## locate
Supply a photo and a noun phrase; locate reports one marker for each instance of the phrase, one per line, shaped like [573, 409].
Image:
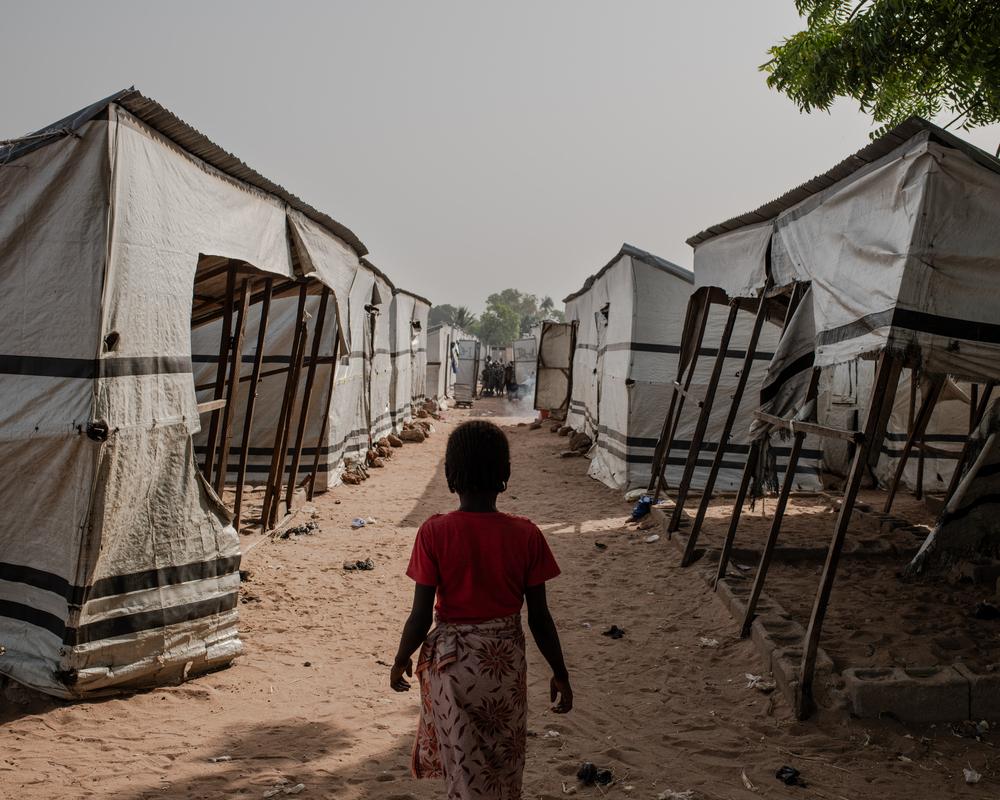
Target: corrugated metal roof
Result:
[872, 152]
[642, 255]
[185, 137]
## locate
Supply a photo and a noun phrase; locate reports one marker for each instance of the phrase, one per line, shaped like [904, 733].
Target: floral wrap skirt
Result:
[473, 709]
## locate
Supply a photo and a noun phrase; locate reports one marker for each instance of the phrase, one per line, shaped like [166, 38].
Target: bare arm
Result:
[414, 632]
[543, 629]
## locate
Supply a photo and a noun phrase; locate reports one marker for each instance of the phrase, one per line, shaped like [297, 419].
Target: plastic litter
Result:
[635, 494]
[655, 537]
[760, 683]
[641, 508]
[670, 794]
[749, 784]
[614, 632]
[551, 735]
[600, 545]
[220, 759]
[986, 610]
[971, 776]
[704, 641]
[285, 787]
[367, 564]
[306, 529]
[358, 522]
[591, 775]
[789, 776]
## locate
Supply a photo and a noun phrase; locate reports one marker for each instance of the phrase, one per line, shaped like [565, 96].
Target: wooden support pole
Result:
[317, 337]
[727, 427]
[703, 418]
[211, 405]
[276, 497]
[980, 411]
[225, 342]
[734, 518]
[973, 405]
[325, 427]
[916, 434]
[883, 393]
[233, 388]
[258, 360]
[694, 308]
[779, 513]
[658, 478]
[274, 475]
[826, 431]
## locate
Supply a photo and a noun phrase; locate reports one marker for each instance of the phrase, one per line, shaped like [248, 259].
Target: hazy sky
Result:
[472, 145]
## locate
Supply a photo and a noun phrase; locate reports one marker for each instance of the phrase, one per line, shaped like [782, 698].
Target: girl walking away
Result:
[481, 565]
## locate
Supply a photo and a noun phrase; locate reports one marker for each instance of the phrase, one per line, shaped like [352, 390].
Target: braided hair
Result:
[477, 458]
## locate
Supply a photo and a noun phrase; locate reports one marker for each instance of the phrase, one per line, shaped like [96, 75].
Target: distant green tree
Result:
[443, 314]
[463, 318]
[897, 58]
[498, 325]
[548, 310]
[523, 304]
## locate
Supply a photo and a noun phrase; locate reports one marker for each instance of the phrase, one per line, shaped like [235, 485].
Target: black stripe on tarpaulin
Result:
[960, 513]
[309, 451]
[119, 584]
[149, 620]
[33, 616]
[165, 576]
[673, 349]
[707, 446]
[930, 437]
[36, 578]
[897, 452]
[917, 321]
[802, 468]
[199, 358]
[798, 366]
[92, 368]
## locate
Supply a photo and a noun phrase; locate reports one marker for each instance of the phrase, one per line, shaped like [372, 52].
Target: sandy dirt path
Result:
[308, 704]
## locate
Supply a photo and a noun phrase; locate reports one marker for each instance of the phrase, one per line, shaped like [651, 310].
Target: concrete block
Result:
[771, 632]
[932, 694]
[733, 596]
[984, 693]
[869, 548]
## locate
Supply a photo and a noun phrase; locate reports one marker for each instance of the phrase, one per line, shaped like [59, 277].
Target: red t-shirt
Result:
[480, 563]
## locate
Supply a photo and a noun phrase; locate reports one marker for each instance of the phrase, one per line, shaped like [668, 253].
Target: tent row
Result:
[176, 327]
[847, 329]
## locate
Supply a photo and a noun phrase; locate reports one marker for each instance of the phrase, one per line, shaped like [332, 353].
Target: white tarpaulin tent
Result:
[630, 319]
[467, 373]
[126, 570]
[554, 379]
[442, 363]
[891, 267]
[408, 336]
[898, 246]
[525, 361]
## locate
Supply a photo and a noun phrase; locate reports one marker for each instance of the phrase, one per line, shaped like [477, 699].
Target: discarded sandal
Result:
[614, 632]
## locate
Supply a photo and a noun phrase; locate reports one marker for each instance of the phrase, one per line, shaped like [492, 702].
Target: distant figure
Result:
[510, 382]
[487, 377]
[482, 565]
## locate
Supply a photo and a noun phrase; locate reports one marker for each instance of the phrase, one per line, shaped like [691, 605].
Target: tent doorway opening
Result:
[255, 341]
